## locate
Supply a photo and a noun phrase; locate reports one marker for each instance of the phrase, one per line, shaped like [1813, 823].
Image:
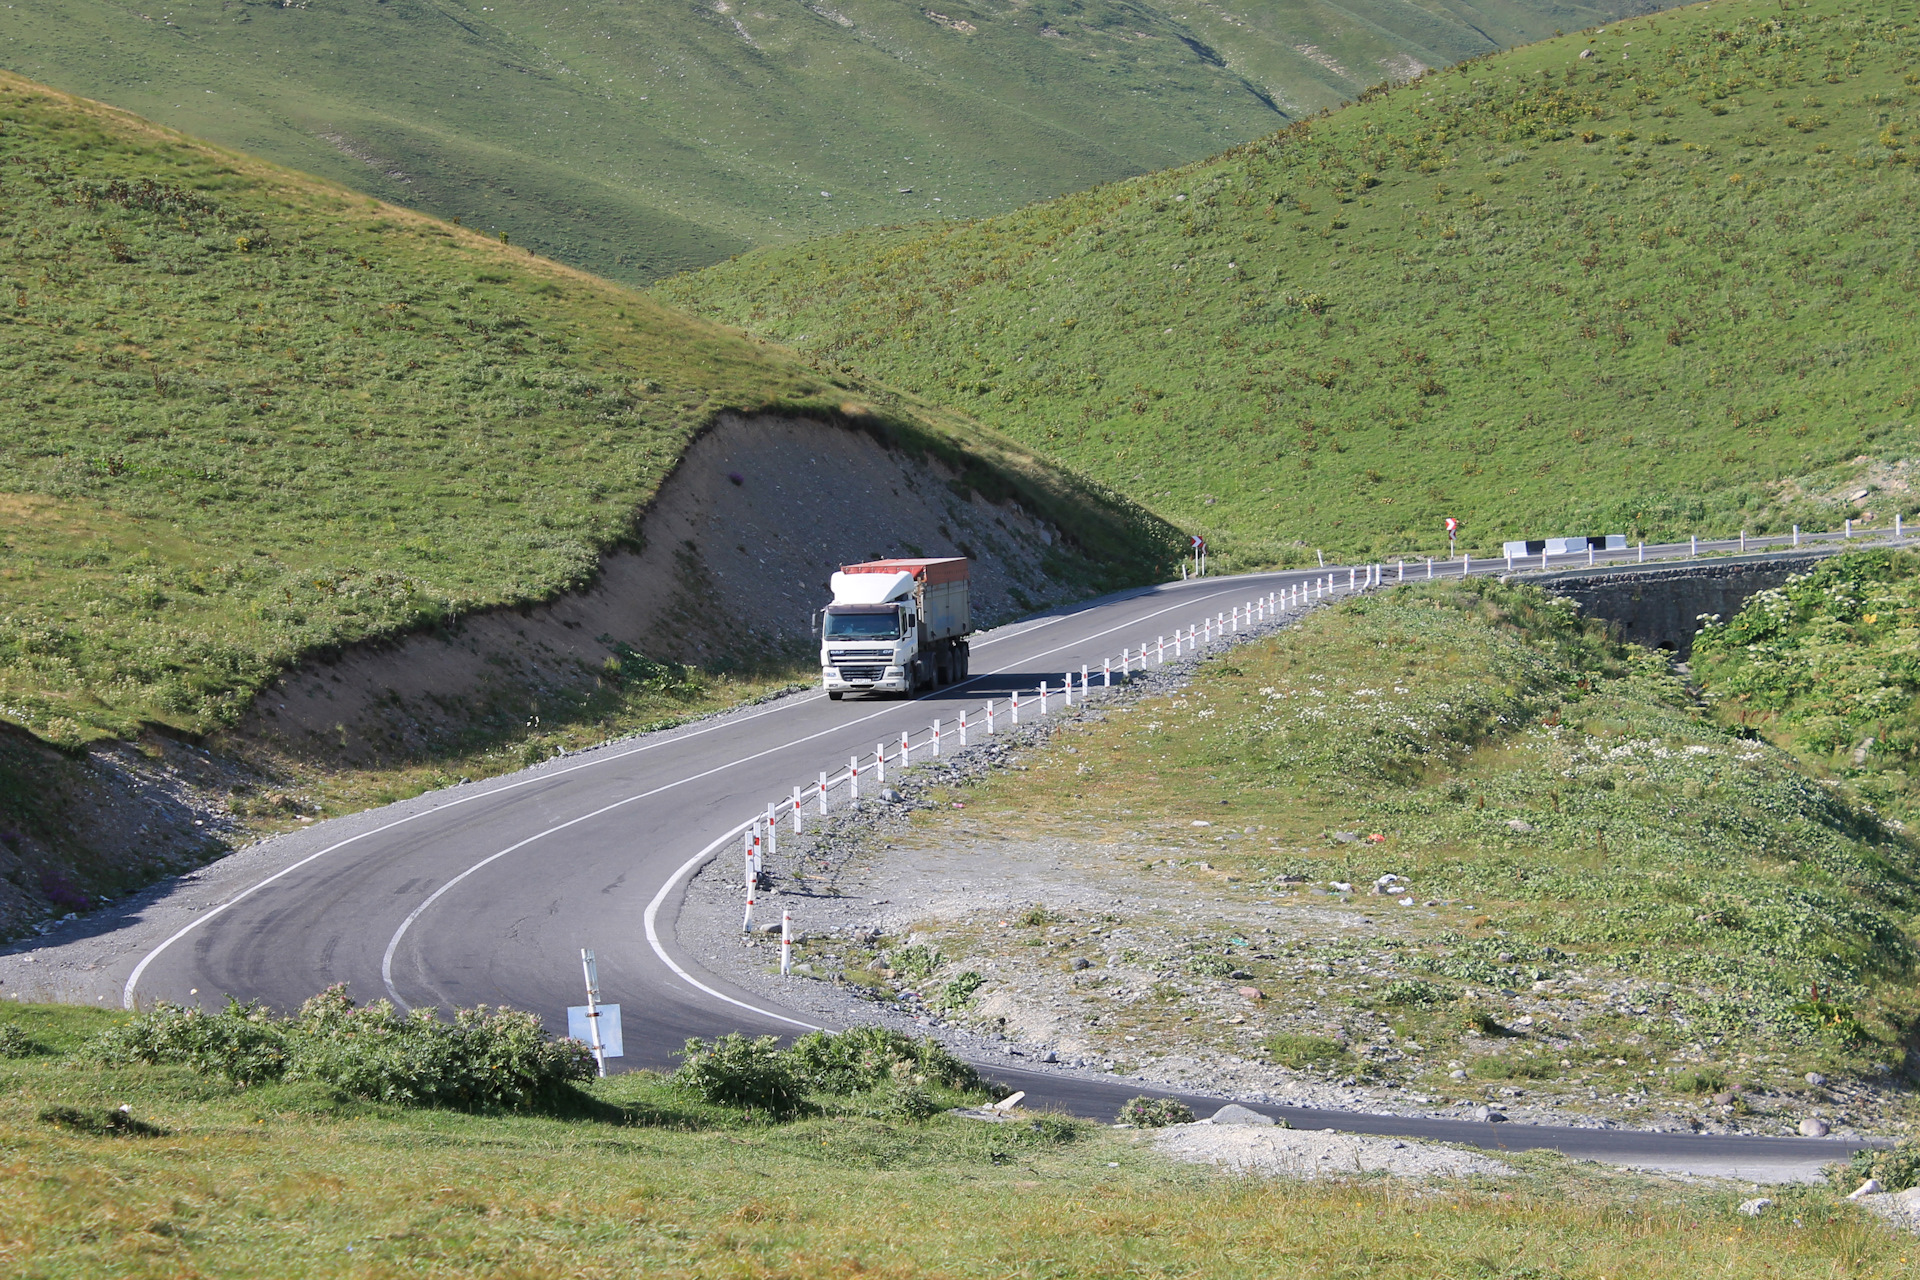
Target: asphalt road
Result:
[485, 893]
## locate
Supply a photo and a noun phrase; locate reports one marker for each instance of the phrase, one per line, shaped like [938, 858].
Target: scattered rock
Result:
[1201, 822]
[1586, 53]
[1081, 962]
[1251, 993]
[1234, 1113]
[1815, 1079]
[1871, 1187]
[1239, 974]
[1050, 1056]
[1346, 837]
[1516, 824]
[1341, 886]
[1813, 1127]
[890, 795]
[1754, 1208]
[1489, 1114]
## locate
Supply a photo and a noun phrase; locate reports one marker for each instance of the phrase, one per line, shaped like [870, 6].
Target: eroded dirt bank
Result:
[735, 555]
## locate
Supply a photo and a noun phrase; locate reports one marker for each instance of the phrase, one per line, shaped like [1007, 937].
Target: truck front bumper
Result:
[889, 680]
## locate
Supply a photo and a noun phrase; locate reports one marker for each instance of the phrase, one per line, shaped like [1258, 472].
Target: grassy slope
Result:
[635, 142]
[1695, 904]
[249, 415]
[1828, 667]
[293, 1181]
[1540, 293]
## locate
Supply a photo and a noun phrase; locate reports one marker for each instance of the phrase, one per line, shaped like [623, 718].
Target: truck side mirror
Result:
[813, 622]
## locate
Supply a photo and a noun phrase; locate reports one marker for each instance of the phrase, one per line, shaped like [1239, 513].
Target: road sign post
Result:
[592, 972]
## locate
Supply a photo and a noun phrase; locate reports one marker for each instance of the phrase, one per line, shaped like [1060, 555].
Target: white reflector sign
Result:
[609, 1028]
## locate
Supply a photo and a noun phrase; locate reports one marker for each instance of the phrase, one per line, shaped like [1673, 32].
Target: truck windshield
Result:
[863, 626]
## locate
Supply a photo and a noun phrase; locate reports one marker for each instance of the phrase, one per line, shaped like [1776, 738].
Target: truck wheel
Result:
[836, 696]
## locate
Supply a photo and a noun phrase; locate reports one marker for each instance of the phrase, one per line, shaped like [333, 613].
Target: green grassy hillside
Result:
[638, 141]
[1651, 280]
[249, 416]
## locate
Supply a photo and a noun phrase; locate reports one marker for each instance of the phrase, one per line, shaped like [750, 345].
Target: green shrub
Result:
[1035, 916]
[733, 1071]
[956, 993]
[908, 1102]
[1700, 1080]
[1058, 1129]
[916, 961]
[1207, 966]
[489, 1058]
[1897, 1167]
[1305, 1053]
[486, 1059]
[863, 1058]
[1412, 992]
[242, 1042]
[1155, 1113]
[15, 1043]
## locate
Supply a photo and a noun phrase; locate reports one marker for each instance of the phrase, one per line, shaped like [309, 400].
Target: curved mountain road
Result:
[486, 892]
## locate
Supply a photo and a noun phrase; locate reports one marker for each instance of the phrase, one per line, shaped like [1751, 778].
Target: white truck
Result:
[895, 626]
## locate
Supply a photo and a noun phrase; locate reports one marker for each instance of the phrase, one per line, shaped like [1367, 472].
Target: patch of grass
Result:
[1441, 300]
[270, 1181]
[1306, 1053]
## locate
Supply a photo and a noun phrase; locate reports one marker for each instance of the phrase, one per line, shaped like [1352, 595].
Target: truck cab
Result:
[895, 627]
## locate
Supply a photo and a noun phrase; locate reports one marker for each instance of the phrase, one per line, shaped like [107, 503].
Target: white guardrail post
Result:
[786, 943]
[880, 763]
[906, 749]
[853, 777]
[989, 717]
[746, 922]
[823, 791]
[1043, 697]
[796, 811]
[936, 739]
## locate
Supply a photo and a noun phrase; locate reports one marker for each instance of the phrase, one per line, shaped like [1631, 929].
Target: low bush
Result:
[242, 1042]
[916, 961]
[1702, 1080]
[485, 1059]
[1413, 993]
[1155, 1113]
[15, 1043]
[1897, 1167]
[1058, 1129]
[863, 1058]
[751, 1074]
[955, 993]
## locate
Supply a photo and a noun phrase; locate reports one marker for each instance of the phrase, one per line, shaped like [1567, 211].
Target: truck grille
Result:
[839, 656]
[861, 673]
